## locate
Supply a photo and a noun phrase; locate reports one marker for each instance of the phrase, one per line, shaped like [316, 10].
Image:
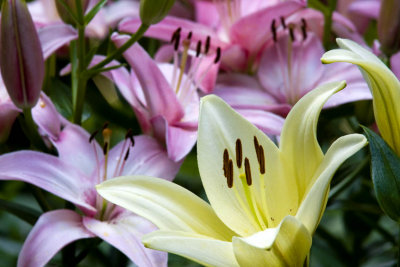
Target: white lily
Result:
[266, 201]
[384, 85]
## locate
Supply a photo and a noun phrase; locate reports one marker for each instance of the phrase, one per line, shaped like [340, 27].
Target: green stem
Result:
[117, 53]
[339, 188]
[398, 252]
[328, 23]
[80, 76]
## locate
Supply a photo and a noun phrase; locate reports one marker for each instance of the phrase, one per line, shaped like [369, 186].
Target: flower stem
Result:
[134, 38]
[80, 76]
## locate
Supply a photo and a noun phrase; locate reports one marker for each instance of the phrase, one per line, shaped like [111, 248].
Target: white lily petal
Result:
[299, 144]
[166, 204]
[219, 128]
[199, 248]
[286, 245]
[384, 85]
[312, 207]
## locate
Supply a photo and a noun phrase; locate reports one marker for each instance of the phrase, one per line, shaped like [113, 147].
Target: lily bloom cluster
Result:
[103, 104]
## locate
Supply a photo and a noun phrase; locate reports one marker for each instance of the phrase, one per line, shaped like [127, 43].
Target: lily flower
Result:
[72, 175]
[164, 96]
[265, 201]
[283, 79]
[237, 27]
[384, 85]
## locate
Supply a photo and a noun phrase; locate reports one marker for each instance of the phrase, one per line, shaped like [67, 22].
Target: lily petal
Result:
[199, 248]
[47, 117]
[53, 231]
[160, 97]
[50, 173]
[147, 157]
[286, 245]
[299, 143]
[317, 195]
[384, 85]
[74, 148]
[55, 36]
[125, 233]
[219, 128]
[166, 204]
[254, 25]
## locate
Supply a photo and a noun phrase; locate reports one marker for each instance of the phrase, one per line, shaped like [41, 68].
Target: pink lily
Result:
[239, 30]
[288, 70]
[8, 112]
[80, 165]
[164, 99]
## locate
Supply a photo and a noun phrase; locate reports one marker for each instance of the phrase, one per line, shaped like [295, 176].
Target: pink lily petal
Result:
[47, 117]
[179, 140]
[267, 122]
[207, 14]
[51, 174]
[252, 31]
[207, 74]
[53, 231]
[8, 114]
[288, 83]
[234, 58]
[146, 157]
[116, 11]
[74, 149]
[369, 8]
[164, 30]
[165, 53]
[52, 37]
[395, 64]
[125, 233]
[357, 89]
[160, 97]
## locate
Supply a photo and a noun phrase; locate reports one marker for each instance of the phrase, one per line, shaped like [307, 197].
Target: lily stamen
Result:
[239, 153]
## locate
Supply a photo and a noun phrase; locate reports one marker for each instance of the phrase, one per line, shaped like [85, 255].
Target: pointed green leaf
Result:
[385, 171]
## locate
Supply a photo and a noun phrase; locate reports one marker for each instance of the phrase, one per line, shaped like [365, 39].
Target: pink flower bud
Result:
[389, 26]
[21, 58]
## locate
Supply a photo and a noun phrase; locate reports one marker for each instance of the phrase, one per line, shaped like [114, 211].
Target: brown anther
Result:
[230, 174]
[189, 36]
[256, 144]
[198, 49]
[218, 55]
[239, 153]
[105, 148]
[105, 125]
[261, 160]
[225, 162]
[303, 23]
[207, 46]
[247, 171]
[93, 135]
[129, 134]
[126, 154]
[283, 22]
[173, 37]
[304, 29]
[273, 30]
[291, 33]
[177, 42]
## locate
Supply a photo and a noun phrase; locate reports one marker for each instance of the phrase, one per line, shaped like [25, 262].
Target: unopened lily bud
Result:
[63, 12]
[153, 11]
[389, 26]
[21, 57]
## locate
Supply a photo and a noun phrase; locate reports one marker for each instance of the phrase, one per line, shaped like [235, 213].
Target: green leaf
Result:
[25, 213]
[385, 171]
[90, 15]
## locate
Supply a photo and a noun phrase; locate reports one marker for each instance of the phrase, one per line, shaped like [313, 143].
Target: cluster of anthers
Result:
[228, 163]
[196, 62]
[107, 209]
[291, 27]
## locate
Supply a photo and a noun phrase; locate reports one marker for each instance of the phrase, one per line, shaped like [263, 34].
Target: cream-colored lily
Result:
[266, 201]
[384, 85]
